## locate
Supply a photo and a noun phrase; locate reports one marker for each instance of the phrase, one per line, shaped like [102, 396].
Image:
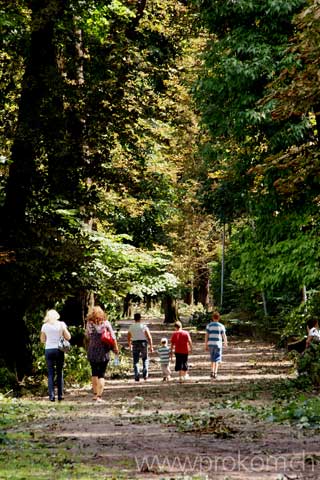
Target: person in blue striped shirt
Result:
[164, 355]
[215, 334]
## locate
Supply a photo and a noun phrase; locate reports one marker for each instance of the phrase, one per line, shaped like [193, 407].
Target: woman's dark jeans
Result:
[55, 361]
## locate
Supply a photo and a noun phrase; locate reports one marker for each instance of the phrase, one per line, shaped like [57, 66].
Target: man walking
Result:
[138, 339]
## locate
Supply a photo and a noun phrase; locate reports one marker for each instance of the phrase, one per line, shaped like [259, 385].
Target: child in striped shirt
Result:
[215, 334]
[164, 355]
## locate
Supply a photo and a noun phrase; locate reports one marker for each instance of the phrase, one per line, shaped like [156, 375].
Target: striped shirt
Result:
[215, 331]
[164, 354]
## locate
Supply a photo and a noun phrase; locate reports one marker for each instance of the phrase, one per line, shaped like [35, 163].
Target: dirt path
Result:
[155, 430]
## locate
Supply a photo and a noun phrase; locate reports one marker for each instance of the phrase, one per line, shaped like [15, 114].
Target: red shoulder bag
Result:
[107, 338]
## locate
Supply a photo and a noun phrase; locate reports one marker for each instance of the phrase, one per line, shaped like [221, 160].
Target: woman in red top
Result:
[181, 345]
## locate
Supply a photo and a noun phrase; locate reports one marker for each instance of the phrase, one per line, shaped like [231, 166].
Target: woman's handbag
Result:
[64, 345]
[107, 338]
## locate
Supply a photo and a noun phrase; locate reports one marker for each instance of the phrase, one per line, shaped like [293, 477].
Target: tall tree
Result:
[22, 180]
[247, 50]
[89, 143]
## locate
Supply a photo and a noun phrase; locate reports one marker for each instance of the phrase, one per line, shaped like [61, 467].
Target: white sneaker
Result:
[100, 400]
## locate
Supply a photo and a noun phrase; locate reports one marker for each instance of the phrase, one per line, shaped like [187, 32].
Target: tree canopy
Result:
[134, 133]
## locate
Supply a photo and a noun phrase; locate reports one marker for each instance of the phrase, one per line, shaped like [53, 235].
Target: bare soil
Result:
[159, 430]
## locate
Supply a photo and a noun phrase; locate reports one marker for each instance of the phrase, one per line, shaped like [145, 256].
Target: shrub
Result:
[77, 368]
[200, 319]
[8, 380]
[308, 363]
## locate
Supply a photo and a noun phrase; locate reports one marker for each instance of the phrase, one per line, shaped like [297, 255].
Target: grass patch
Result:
[29, 449]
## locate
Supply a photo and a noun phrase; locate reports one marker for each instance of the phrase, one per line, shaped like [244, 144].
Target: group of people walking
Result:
[140, 343]
[139, 339]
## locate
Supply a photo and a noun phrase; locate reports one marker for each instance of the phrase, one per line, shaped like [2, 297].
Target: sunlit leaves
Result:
[285, 255]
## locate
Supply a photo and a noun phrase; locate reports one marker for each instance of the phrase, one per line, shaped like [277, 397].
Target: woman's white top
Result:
[53, 333]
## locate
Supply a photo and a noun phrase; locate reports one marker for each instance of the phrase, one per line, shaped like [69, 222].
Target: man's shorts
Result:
[181, 362]
[215, 353]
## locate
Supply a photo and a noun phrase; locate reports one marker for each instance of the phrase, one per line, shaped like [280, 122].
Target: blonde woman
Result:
[98, 352]
[51, 331]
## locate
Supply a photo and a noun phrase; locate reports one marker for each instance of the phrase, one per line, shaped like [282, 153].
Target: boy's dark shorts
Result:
[181, 362]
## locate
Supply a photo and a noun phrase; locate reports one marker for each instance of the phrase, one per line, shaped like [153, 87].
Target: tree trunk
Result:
[264, 301]
[15, 345]
[222, 264]
[75, 309]
[127, 307]
[304, 294]
[204, 282]
[148, 302]
[27, 143]
[170, 309]
[22, 182]
[196, 296]
[189, 295]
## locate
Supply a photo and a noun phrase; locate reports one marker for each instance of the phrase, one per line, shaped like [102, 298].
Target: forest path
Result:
[244, 360]
[194, 430]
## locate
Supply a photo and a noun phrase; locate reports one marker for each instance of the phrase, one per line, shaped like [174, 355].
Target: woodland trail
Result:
[195, 430]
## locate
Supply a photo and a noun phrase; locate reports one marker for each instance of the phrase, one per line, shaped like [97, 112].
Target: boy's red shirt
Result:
[180, 341]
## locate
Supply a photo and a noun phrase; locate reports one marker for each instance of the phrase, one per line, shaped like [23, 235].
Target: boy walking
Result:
[215, 334]
[164, 355]
[181, 345]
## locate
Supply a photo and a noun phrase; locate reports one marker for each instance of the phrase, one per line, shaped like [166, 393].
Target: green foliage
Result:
[292, 388]
[308, 363]
[303, 412]
[276, 258]
[98, 149]
[8, 380]
[296, 320]
[247, 173]
[237, 295]
[283, 254]
[247, 50]
[119, 268]
[200, 319]
[123, 369]
[77, 368]
[154, 286]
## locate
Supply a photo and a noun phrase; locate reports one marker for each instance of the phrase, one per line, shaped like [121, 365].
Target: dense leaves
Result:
[88, 152]
[258, 98]
[108, 183]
